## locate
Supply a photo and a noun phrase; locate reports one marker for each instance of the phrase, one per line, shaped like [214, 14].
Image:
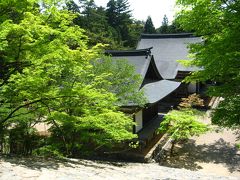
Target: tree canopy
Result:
[49, 77]
[217, 22]
[149, 27]
[112, 25]
[168, 28]
[164, 28]
[121, 75]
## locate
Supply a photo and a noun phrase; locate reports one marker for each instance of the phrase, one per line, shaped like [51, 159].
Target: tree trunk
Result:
[172, 147]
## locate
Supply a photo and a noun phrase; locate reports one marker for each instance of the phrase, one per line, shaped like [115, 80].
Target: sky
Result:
[141, 9]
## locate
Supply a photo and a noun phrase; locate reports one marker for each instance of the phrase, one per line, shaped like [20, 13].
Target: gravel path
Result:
[18, 169]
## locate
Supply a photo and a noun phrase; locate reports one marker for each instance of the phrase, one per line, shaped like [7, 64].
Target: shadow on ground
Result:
[36, 163]
[189, 154]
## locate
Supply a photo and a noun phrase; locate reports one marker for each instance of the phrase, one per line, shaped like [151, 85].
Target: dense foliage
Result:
[48, 76]
[218, 24]
[112, 25]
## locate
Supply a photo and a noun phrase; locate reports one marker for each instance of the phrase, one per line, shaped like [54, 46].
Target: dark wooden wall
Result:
[150, 113]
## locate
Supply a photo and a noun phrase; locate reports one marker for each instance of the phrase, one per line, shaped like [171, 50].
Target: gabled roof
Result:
[154, 87]
[141, 59]
[167, 49]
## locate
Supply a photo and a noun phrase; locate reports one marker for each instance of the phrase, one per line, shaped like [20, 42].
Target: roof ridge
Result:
[159, 36]
[135, 52]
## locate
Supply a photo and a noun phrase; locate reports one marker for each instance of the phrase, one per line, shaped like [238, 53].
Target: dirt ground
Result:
[214, 152]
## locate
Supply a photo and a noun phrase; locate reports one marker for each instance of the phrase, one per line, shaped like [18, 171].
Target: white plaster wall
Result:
[139, 120]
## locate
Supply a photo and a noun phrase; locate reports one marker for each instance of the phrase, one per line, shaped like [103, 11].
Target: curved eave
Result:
[155, 68]
[156, 91]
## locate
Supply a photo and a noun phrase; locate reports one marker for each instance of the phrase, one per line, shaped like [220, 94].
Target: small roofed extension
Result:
[153, 85]
[167, 50]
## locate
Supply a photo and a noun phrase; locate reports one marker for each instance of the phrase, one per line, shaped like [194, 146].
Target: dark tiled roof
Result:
[154, 91]
[160, 89]
[167, 49]
[140, 58]
[140, 63]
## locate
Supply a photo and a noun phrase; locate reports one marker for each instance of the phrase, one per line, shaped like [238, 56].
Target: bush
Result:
[182, 124]
[238, 145]
[48, 151]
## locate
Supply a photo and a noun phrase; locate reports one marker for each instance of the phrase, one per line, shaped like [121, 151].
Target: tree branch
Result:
[30, 103]
[57, 126]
